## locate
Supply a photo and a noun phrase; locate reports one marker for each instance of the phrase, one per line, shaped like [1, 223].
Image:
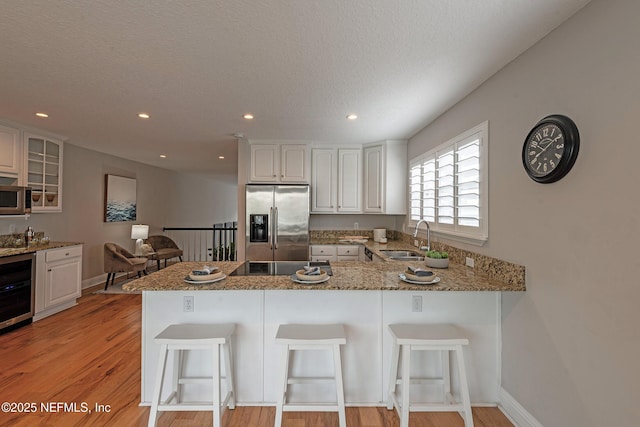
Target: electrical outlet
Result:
[187, 304]
[416, 303]
[356, 225]
[469, 262]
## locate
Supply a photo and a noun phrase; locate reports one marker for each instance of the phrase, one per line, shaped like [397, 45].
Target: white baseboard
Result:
[515, 411]
[93, 281]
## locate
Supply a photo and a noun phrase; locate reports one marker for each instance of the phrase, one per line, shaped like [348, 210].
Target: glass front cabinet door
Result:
[44, 172]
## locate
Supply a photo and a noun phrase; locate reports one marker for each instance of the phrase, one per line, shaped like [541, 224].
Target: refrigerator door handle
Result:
[275, 228]
[271, 234]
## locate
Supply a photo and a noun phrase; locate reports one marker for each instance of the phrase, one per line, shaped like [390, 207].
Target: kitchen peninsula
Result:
[365, 297]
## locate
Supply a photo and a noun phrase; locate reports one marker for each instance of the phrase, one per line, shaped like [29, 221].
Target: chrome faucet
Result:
[415, 234]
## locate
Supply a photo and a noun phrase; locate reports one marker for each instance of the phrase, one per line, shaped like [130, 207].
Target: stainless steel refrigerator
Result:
[277, 222]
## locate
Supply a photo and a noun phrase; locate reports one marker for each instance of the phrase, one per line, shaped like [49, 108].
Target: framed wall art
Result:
[119, 199]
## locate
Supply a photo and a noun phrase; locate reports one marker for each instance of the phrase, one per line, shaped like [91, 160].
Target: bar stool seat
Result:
[311, 337]
[427, 337]
[183, 337]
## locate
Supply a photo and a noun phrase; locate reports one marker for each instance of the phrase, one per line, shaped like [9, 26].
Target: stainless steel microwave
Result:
[15, 200]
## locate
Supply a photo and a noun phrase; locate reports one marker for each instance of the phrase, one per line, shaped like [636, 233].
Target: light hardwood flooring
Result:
[90, 355]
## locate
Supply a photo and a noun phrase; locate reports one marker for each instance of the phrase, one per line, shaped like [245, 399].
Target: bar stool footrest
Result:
[314, 407]
[310, 380]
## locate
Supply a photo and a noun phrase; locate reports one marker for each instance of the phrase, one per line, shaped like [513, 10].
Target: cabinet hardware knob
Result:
[49, 270]
[274, 176]
[67, 254]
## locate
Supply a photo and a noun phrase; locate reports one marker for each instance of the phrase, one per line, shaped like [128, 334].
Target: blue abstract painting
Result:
[120, 200]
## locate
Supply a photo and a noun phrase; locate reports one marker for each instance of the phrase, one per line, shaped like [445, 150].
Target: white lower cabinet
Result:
[348, 253]
[323, 253]
[335, 253]
[58, 279]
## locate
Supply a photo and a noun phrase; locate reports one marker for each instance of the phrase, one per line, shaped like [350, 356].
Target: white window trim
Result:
[480, 238]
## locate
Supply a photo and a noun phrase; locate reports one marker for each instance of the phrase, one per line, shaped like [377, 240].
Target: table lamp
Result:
[139, 232]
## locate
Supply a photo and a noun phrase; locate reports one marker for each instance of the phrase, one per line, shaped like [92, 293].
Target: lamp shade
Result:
[139, 231]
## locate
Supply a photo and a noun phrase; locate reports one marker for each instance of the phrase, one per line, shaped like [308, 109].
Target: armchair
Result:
[164, 249]
[118, 260]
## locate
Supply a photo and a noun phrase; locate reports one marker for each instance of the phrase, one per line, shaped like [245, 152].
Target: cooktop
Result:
[277, 268]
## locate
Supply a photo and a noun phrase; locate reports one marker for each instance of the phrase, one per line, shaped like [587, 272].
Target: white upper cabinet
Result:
[349, 180]
[10, 151]
[44, 172]
[294, 165]
[336, 180]
[324, 178]
[276, 162]
[385, 177]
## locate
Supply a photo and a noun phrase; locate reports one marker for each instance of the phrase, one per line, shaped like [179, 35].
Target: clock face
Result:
[551, 149]
[544, 149]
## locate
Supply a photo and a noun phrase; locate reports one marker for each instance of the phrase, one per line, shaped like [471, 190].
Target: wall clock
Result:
[551, 149]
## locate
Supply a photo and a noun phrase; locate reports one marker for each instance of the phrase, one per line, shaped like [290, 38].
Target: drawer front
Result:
[323, 250]
[348, 250]
[63, 253]
[322, 258]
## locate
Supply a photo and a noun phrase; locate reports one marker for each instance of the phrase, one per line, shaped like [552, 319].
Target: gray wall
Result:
[571, 342]
[164, 198]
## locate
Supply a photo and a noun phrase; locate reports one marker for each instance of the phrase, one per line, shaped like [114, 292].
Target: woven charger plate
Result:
[415, 278]
[212, 276]
[311, 278]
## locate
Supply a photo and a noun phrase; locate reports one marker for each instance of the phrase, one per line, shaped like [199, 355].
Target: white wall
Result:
[571, 342]
[164, 198]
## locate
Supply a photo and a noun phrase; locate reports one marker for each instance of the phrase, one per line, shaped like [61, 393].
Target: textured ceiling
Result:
[300, 66]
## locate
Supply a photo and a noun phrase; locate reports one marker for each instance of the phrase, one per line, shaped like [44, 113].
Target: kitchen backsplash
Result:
[503, 271]
[17, 240]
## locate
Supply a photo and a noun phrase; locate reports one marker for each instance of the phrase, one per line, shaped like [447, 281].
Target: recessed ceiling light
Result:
[43, 115]
[221, 157]
[352, 116]
[143, 115]
[248, 116]
[164, 156]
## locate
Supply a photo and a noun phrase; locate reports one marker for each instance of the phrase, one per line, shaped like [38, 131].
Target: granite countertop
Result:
[35, 248]
[346, 276]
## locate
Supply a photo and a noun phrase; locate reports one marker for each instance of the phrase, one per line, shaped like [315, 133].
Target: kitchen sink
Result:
[407, 258]
[403, 255]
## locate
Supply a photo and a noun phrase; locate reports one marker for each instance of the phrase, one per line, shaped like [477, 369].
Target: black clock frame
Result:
[571, 148]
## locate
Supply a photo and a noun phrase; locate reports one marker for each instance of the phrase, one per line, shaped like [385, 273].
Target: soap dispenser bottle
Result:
[28, 235]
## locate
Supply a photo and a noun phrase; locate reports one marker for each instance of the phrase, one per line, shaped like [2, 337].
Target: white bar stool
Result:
[425, 337]
[312, 337]
[182, 337]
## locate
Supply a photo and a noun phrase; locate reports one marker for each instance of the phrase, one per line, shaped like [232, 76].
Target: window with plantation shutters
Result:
[448, 187]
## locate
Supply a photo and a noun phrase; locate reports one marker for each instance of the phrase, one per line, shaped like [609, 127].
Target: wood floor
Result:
[89, 356]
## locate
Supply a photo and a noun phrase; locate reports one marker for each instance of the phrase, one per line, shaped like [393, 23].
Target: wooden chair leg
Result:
[106, 284]
[180, 258]
[158, 264]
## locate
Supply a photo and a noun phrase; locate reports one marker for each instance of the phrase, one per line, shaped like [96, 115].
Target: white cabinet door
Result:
[64, 281]
[10, 151]
[349, 180]
[58, 279]
[373, 179]
[293, 163]
[385, 177]
[324, 177]
[264, 163]
[279, 163]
